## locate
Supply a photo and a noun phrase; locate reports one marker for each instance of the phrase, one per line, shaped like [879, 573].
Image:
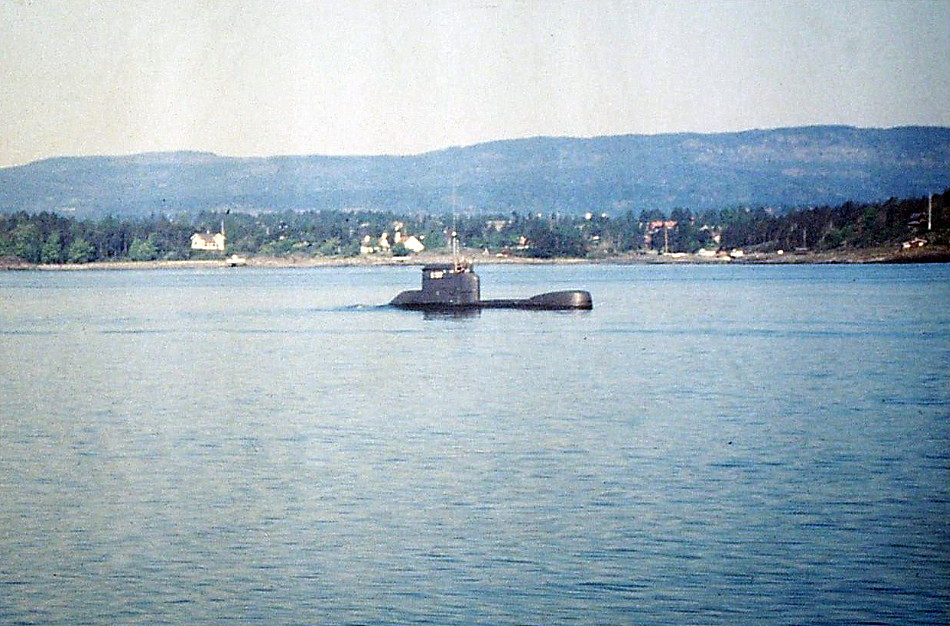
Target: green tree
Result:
[6, 245]
[143, 249]
[26, 242]
[80, 251]
[329, 247]
[280, 247]
[52, 251]
[559, 240]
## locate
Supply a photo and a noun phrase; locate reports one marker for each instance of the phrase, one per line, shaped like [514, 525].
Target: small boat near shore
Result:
[235, 261]
[455, 286]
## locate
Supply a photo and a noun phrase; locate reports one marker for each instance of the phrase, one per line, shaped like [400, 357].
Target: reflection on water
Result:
[451, 314]
[708, 445]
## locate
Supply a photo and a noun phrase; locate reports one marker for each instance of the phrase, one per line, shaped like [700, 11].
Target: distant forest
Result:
[785, 168]
[53, 238]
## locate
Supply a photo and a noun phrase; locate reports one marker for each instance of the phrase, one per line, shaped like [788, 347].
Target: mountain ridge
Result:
[783, 168]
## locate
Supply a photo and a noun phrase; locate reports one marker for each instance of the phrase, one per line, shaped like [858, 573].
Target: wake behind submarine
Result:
[455, 286]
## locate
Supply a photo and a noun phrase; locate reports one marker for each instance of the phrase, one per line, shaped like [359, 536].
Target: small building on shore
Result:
[412, 243]
[383, 244]
[208, 242]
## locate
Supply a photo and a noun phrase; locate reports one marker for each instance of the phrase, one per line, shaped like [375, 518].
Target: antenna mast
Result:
[930, 209]
[456, 261]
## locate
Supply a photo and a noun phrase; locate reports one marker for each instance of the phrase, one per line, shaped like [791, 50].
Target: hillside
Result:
[793, 167]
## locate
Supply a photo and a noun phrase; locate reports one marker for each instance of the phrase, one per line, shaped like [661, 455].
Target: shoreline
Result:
[929, 254]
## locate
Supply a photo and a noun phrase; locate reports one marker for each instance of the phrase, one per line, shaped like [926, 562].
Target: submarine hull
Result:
[571, 300]
[552, 301]
[455, 287]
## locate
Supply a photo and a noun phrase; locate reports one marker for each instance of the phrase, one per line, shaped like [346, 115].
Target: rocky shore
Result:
[927, 254]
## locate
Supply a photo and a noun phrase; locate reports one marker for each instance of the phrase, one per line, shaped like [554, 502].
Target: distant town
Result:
[731, 234]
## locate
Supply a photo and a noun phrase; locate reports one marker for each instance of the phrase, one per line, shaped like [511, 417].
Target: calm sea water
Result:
[709, 445]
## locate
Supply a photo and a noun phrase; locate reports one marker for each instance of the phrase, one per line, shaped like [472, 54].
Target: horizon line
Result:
[145, 153]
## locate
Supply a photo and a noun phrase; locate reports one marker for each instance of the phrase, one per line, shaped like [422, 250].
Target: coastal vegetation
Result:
[51, 238]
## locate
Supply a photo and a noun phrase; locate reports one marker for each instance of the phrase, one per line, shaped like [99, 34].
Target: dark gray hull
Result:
[455, 287]
[551, 301]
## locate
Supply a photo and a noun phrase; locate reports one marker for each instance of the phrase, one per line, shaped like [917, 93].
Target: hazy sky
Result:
[397, 77]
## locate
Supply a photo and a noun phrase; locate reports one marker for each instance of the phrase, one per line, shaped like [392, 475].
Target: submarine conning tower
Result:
[444, 285]
[451, 283]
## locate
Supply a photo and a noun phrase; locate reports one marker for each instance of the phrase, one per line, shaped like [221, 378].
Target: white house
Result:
[412, 244]
[366, 245]
[207, 241]
[369, 245]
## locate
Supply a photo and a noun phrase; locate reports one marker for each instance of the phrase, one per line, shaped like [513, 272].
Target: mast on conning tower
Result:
[455, 247]
[458, 264]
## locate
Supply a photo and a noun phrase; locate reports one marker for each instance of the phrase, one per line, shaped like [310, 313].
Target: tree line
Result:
[53, 238]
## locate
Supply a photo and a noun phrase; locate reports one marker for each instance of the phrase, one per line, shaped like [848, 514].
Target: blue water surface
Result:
[709, 445]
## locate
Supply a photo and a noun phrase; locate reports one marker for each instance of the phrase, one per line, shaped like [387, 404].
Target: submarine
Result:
[456, 287]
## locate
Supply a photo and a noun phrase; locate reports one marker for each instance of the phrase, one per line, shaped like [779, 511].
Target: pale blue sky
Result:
[364, 77]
